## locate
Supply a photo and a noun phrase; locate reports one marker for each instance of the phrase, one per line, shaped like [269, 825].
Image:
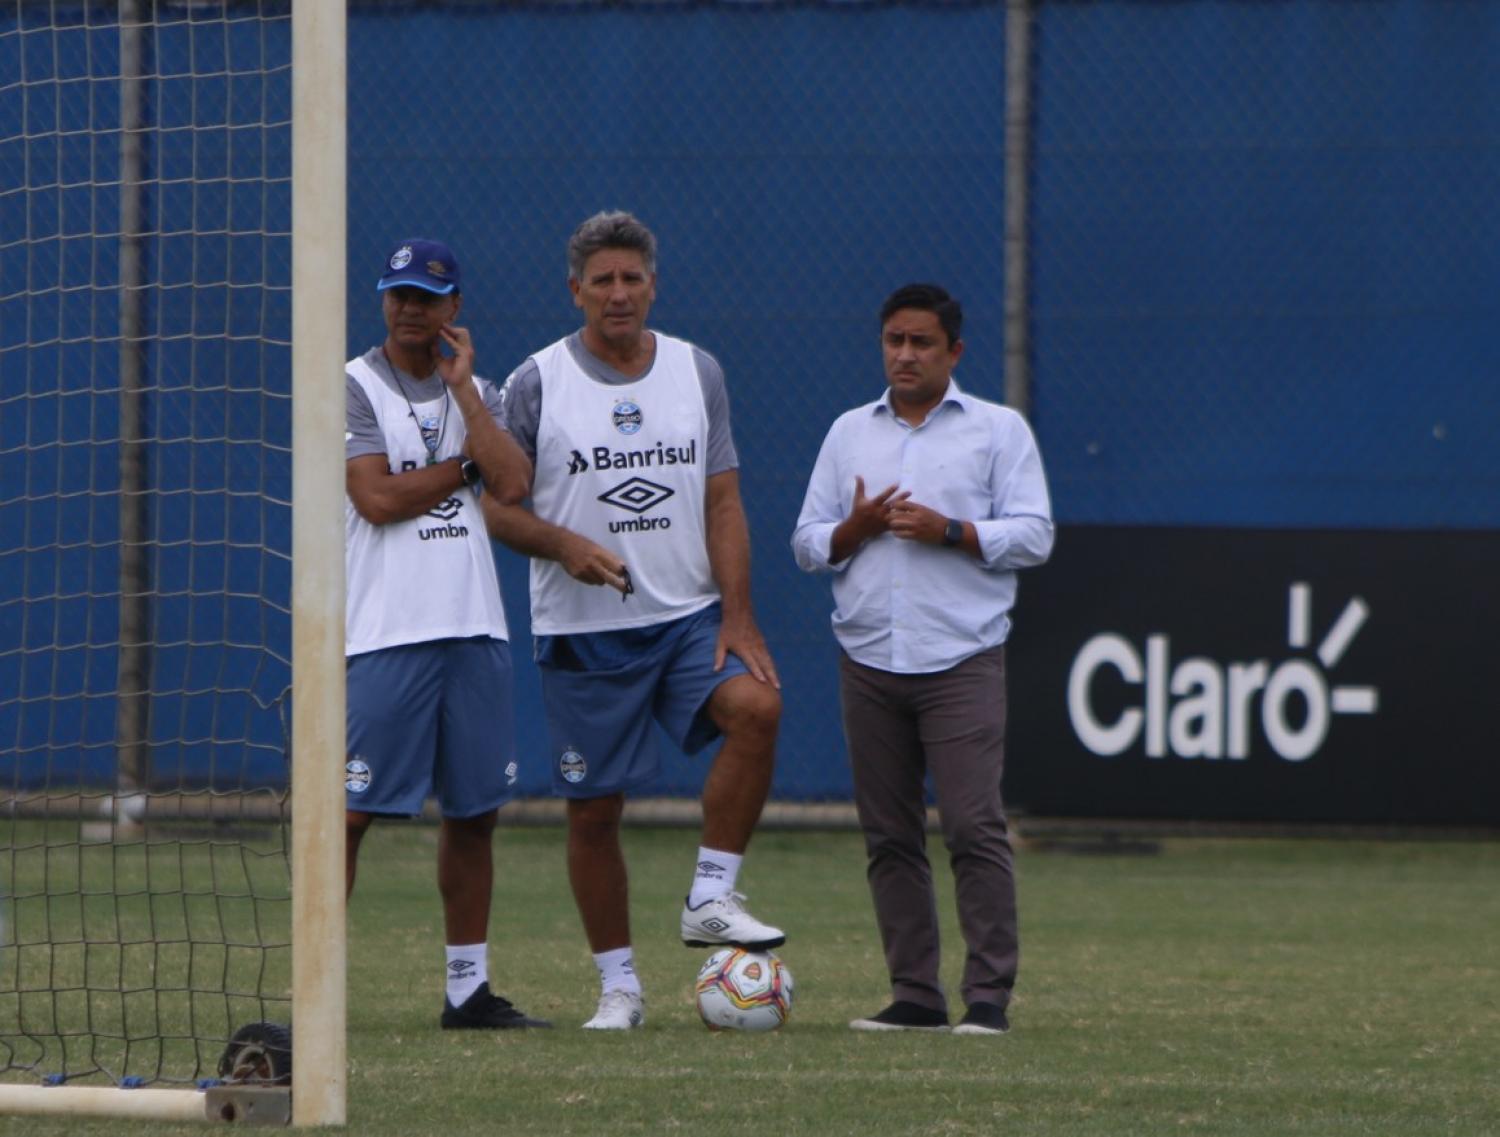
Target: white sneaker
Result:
[723, 920]
[618, 1010]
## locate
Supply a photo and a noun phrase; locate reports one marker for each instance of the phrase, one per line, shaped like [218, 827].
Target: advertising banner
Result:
[1258, 675]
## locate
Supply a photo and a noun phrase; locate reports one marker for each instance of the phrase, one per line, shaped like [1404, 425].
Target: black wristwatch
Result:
[468, 469]
[953, 532]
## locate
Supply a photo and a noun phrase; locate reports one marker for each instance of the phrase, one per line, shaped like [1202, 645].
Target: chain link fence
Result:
[1266, 263]
[1264, 266]
[797, 162]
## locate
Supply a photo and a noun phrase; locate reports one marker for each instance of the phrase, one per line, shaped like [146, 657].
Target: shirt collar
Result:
[953, 395]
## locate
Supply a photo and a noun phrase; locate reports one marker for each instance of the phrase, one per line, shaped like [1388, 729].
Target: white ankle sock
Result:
[617, 971]
[715, 875]
[466, 971]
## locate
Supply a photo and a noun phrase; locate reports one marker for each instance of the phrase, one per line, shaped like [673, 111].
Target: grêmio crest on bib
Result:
[627, 417]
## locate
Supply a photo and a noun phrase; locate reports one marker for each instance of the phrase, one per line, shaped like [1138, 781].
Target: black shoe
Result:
[983, 1018]
[483, 1011]
[902, 1015]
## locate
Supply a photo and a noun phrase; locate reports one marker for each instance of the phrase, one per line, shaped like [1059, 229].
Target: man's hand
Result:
[868, 517]
[742, 637]
[457, 370]
[911, 521]
[589, 563]
[871, 516]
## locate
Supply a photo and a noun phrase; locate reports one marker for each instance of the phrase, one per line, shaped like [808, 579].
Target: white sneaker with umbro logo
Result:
[723, 920]
[618, 1010]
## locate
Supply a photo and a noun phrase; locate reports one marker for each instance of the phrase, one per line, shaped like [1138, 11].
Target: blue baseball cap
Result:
[421, 263]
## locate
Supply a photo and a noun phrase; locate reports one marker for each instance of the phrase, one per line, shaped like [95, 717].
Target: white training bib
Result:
[431, 577]
[623, 465]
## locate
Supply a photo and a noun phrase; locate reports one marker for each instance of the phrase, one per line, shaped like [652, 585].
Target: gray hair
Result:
[609, 230]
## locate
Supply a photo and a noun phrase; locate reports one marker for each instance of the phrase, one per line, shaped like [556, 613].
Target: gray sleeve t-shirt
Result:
[362, 432]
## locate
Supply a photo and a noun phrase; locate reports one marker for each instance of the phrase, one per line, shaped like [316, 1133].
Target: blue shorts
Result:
[601, 691]
[431, 719]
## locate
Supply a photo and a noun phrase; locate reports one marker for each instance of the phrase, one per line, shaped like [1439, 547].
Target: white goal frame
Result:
[319, 163]
[319, 1068]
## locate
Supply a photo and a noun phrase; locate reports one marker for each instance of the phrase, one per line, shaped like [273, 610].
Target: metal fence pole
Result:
[131, 713]
[1018, 24]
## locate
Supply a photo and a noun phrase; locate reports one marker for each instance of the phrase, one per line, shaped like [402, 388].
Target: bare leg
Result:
[596, 869]
[356, 825]
[749, 713]
[466, 876]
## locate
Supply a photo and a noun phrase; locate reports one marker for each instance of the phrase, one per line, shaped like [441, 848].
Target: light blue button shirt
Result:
[913, 608]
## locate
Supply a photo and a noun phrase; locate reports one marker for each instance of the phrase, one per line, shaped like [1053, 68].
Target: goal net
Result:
[145, 536]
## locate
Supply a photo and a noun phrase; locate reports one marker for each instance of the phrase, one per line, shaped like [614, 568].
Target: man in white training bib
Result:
[640, 596]
[429, 672]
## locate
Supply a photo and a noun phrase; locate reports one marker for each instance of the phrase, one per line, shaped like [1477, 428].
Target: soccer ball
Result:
[744, 990]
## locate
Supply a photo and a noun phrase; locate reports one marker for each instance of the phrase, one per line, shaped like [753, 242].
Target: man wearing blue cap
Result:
[429, 670]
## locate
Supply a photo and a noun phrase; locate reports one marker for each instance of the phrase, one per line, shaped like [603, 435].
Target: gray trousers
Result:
[950, 724]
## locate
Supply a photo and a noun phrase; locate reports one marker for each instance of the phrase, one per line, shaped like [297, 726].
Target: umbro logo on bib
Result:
[636, 494]
[445, 510]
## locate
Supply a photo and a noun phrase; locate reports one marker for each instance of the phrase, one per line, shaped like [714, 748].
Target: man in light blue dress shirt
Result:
[922, 504]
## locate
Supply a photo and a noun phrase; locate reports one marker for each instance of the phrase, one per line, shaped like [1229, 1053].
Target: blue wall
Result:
[1267, 263]
[797, 164]
[1265, 258]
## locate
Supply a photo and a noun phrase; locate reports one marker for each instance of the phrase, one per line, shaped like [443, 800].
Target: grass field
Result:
[1220, 987]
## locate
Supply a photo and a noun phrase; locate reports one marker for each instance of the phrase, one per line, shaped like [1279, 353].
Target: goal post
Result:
[172, 335]
[318, 356]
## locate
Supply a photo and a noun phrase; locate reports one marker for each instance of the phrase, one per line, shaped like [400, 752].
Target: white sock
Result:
[715, 875]
[466, 971]
[617, 971]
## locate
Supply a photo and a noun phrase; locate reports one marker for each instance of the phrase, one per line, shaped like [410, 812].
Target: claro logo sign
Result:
[1201, 708]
